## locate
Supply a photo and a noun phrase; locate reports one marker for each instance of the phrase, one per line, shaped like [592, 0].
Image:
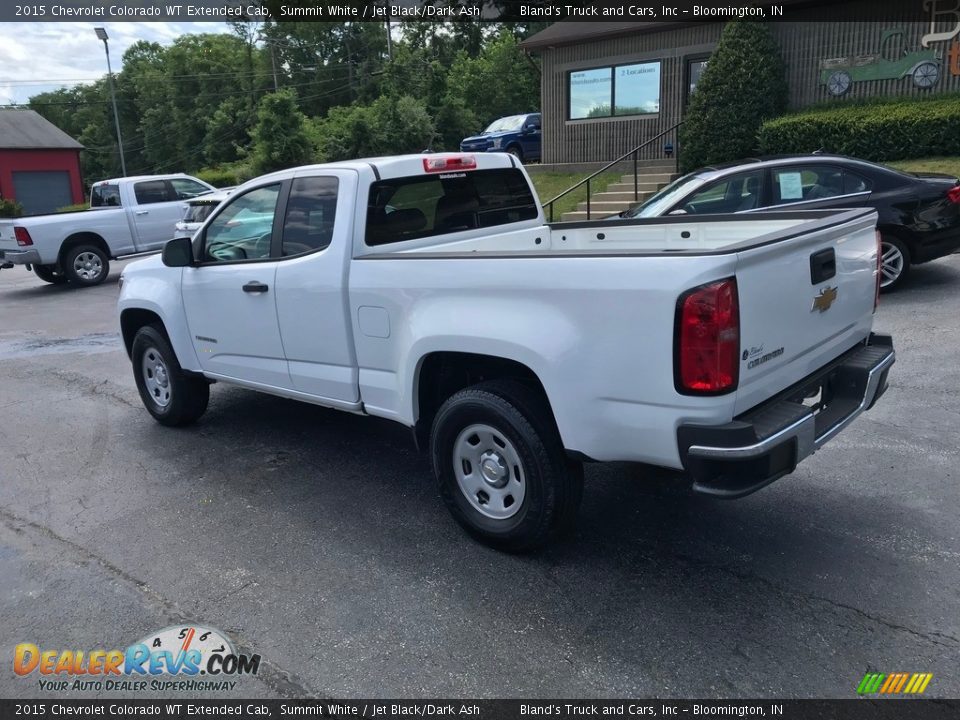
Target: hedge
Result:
[220, 177]
[879, 131]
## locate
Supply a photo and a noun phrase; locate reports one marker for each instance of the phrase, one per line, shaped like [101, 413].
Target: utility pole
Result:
[389, 41]
[273, 64]
[102, 34]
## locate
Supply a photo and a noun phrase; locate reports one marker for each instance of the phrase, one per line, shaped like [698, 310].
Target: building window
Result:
[615, 91]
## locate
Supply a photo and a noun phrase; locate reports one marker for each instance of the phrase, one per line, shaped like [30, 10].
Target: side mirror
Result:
[178, 252]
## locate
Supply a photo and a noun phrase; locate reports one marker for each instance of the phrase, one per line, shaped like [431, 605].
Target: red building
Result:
[39, 163]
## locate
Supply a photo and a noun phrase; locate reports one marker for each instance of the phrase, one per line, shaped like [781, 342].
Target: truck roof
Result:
[393, 166]
[138, 178]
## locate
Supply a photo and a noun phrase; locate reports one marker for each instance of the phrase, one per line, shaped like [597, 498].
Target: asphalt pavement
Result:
[316, 539]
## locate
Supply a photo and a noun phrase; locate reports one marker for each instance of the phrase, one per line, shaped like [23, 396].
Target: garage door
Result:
[42, 192]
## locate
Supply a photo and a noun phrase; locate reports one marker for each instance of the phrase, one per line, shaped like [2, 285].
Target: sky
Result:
[38, 57]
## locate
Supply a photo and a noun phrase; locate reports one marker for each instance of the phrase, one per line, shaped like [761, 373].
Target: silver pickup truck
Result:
[126, 216]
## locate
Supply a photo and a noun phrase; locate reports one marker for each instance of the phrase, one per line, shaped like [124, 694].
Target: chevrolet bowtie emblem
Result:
[824, 300]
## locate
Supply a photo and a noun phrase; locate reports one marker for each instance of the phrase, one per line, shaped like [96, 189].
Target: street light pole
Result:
[102, 34]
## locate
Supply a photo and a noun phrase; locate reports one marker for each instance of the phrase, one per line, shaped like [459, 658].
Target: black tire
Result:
[516, 152]
[889, 246]
[188, 395]
[86, 265]
[50, 274]
[552, 484]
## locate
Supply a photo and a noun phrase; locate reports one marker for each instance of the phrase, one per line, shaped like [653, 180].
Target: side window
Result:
[734, 194]
[185, 189]
[149, 192]
[244, 228]
[854, 183]
[802, 183]
[534, 120]
[311, 212]
[427, 205]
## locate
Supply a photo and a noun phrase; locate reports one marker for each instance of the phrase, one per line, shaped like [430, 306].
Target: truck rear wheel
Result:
[501, 467]
[86, 265]
[172, 396]
[49, 273]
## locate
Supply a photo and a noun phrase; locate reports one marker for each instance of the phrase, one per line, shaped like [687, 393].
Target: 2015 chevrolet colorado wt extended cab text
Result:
[428, 290]
[126, 216]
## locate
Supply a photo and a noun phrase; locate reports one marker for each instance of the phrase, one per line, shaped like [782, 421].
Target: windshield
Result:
[505, 124]
[663, 199]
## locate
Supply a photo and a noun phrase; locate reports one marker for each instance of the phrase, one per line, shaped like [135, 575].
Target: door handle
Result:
[255, 287]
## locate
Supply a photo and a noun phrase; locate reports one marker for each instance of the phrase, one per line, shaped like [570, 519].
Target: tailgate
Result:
[804, 300]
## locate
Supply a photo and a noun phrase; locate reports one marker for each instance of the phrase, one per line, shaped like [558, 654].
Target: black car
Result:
[919, 212]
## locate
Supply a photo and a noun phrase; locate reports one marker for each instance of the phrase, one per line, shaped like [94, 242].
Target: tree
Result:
[279, 138]
[743, 84]
[388, 126]
[497, 82]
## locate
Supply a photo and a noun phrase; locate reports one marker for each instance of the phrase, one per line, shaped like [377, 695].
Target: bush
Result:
[10, 208]
[388, 126]
[879, 130]
[743, 84]
[219, 177]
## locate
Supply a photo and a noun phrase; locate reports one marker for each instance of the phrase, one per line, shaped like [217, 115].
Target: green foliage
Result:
[388, 126]
[10, 208]
[219, 176]
[743, 84]
[73, 208]
[890, 130]
[497, 82]
[194, 103]
[280, 138]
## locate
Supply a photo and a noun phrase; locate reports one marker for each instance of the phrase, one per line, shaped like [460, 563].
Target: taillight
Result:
[954, 194]
[23, 237]
[876, 291]
[448, 163]
[707, 356]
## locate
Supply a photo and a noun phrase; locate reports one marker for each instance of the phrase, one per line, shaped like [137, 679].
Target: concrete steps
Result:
[618, 196]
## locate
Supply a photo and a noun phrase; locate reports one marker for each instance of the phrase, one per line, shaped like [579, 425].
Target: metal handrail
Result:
[586, 180]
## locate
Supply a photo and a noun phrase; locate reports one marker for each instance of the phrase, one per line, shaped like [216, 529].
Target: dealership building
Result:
[607, 87]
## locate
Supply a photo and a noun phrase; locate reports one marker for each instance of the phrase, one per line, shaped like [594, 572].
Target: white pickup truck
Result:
[427, 289]
[127, 216]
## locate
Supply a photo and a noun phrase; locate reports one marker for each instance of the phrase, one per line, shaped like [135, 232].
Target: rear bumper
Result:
[20, 257]
[766, 443]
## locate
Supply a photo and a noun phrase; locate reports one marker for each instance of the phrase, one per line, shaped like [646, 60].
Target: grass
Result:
[948, 165]
[549, 185]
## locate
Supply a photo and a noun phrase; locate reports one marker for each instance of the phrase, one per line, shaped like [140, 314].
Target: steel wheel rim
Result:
[156, 378]
[489, 471]
[891, 264]
[88, 265]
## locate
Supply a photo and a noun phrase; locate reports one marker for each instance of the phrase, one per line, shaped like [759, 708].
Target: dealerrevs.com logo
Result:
[181, 658]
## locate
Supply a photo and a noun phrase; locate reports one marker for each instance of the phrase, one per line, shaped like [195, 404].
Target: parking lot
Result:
[316, 538]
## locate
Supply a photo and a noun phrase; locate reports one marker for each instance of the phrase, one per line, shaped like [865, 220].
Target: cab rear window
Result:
[105, 196]
[424, 206]
[198, 212]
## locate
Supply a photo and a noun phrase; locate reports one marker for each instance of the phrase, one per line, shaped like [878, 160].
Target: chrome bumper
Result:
[20, 257]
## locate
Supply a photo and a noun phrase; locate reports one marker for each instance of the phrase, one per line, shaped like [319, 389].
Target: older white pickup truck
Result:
[127, 216]
[428, 290]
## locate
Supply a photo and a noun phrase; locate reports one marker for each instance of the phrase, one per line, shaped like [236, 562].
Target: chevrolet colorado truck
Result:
[428, 290]
[126, 216]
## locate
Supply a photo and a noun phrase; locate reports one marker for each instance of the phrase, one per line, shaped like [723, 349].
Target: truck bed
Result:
[684, 234]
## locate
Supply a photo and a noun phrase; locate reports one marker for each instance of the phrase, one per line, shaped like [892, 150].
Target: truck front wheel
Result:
[86, 265]
[172, 396]
[501, 467]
